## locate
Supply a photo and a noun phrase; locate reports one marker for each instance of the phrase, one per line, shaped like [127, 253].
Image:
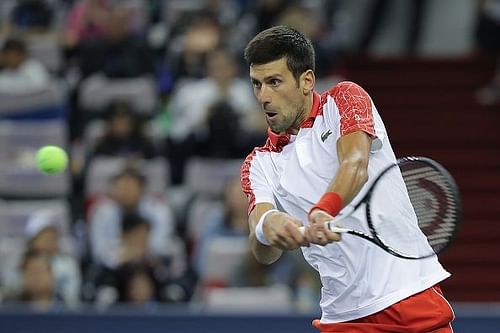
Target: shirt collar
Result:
[279, 141]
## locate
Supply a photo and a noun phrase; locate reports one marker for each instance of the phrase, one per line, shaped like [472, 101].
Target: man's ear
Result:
[307, 80]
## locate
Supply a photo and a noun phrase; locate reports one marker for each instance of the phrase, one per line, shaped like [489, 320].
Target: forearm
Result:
[263, 253]
[353, 152]
[350, 178]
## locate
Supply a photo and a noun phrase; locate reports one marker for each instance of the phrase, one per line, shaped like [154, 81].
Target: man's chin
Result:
[274, 128]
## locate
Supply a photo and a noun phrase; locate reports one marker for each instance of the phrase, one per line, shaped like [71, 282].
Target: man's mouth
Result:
[271, 115]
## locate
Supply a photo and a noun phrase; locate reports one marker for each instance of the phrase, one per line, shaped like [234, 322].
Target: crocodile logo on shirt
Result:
[326, 134]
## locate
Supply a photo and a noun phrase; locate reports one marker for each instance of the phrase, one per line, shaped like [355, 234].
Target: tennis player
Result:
[321, 152]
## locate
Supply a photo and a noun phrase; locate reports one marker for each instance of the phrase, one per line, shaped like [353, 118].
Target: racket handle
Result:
[331, 226]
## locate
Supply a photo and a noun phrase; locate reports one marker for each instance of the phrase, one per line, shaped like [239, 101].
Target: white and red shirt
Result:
[292, 172]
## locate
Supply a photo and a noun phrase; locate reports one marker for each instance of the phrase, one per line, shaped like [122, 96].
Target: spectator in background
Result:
[231, 222]
[201, 37]
[134, 239]
[267, 12]
[221, 83]
[224, 136]
[124, 135]
[38, 283]
[226, 12]
[292, 272]
[142, 276]
[32, 16]
[192, 120]
[488, 42]
[119, 53]
[19, 73]
[44, 236]
[315, 25]
[137, 284]
[87, 19]
[128, 196]
[378, 14]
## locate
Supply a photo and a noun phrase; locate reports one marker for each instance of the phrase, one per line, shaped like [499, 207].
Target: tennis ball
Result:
[51, 160]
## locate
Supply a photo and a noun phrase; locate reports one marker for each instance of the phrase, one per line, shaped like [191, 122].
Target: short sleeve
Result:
[355, 108]
[254, 183]
[355, 112]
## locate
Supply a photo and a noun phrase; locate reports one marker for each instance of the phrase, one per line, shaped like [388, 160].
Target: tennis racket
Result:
[417, 233]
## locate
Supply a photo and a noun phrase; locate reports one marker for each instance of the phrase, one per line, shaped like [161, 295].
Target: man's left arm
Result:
[353, 151]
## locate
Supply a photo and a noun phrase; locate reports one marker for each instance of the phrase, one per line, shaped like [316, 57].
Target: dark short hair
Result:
[277, 42]
[14, 44]
[130, 172]
[119, 107]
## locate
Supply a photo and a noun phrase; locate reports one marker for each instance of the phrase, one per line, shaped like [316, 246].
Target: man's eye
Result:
[256, 84]
[275, 82]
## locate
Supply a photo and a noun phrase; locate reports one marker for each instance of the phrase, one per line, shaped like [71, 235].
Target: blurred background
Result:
[147, 228]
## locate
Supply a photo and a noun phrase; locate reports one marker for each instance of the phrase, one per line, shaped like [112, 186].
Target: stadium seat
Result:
[11, 252]
[205, 176]
[19, 141]
[97, 92]
[274, 299]
[223, 257]
[46, 48]
[198, 212]
[96, 128]
[49, 102]
[102, 169]
[14, 215]
[92, 132]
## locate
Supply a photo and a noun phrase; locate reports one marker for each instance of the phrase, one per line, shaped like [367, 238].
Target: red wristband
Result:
[330, 202]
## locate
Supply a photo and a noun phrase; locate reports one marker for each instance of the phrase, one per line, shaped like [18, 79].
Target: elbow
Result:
[265, 255]
[265, 259]
[362, 176]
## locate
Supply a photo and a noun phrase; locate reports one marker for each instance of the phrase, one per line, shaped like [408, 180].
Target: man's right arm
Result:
[281, 231]
[263, 253]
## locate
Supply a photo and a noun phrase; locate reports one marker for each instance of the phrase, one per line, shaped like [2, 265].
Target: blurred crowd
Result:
[154, 107]
[157, 113]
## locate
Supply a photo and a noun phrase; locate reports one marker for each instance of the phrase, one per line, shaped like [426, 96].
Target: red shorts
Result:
[427, 311]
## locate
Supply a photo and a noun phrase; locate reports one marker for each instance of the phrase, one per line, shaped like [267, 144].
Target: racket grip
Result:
[330, 226]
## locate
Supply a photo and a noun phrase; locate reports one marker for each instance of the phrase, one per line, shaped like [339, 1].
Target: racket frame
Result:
[373, 236]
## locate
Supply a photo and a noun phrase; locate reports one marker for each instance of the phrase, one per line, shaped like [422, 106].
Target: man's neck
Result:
[304, 114]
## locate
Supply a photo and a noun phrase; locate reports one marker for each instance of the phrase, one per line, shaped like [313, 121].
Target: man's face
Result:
[280, 96]
[221, 67]
[47, 241]
[127, 191]
[120, 126]
[13, 58]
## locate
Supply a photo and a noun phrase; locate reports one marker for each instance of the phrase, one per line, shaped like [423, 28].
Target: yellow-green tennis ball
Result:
[51, 160]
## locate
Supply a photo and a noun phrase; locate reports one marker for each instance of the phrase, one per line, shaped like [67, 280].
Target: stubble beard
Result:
[288, 122]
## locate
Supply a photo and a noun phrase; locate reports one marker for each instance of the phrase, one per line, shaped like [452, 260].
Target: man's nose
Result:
[264, 96]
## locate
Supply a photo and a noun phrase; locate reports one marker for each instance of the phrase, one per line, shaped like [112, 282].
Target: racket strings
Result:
[424, 221]
[393, 219]
[433, 200]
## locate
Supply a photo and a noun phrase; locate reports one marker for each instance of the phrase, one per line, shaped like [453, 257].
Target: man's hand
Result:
[316, 232]
[282, 231]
